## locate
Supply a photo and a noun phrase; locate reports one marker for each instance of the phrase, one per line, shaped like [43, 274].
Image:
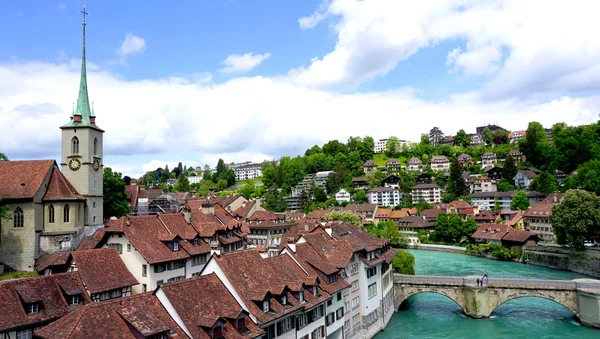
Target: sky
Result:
[195, 81]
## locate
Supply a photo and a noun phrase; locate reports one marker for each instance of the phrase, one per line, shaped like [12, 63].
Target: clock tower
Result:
[82, 152]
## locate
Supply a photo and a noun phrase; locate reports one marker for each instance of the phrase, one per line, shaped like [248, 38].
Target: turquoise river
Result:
[435, 316]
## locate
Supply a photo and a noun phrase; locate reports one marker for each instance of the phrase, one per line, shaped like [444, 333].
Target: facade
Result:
[381, 145]
[266, 231]
[280, 297]
[248, 171]
[342, 195]
[431, 193]
[494, 173]
[486, 200]
[366, 211]
[536, 219]
[392, 165]
[439, 163]
[391, 181]
[369, 166]
[414, 164]
[515, 136]
[517, 156]
[300, 192]
[194, 179]
[488, 159]
[409, 226]
[485, 184]
[383, 196]
[476, 139]
[465, 159]
[365, 266]
[524, 178]
[360, 183]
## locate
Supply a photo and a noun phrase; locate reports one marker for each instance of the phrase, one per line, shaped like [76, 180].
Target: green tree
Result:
[319, 194]
[456, 184]
[500, 137]
[510, 168]
[389, 230]
[545, 183]
[452, 227]
[183, 184]
[519, 201]
[504, 185]
[275, 200]
[4, 211]
[115, 198]
[3, 157]
[488, 136]
[530, 145]
[404, 263]
[392, 147]
[220, 166]
[360, 196]
[462, 139]
[576, 219]
[345, 216]
[422, 205]
[587, 177]
[247, 191]
[222, 184]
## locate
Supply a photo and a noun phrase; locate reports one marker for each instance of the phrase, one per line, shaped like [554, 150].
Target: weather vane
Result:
[84, 13]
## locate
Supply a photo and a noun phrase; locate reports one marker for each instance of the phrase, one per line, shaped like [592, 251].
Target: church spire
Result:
[82, 114]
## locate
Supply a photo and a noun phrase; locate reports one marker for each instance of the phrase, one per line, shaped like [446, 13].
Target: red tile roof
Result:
[358, 239]
[415, 222]
[102, 270]
[140, 315]
[255, 279]
[132, 192]
[47, 289]
[244, 210]
[492, 231]
[202, 301]
[266, 215]
[544, 208]
[50, 260]
[59, 188]
[401, 213]
[383, 213]
[361, 207]
[23, 179]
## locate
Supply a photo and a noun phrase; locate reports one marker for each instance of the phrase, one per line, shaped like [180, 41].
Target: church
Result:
[52, 209]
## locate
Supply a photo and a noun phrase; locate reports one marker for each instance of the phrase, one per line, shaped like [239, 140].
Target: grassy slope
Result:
[380, 159]
[16, 275]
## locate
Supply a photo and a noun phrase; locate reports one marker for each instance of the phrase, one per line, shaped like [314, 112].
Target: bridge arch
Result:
[567, 299]
[403, 293]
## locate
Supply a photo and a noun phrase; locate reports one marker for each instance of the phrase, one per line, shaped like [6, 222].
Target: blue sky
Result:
[194, 81]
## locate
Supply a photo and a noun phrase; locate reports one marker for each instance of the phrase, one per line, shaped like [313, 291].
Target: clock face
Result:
[96, 165]
[74, 164]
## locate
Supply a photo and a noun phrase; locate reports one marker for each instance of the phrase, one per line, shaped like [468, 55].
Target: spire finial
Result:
[84, 13]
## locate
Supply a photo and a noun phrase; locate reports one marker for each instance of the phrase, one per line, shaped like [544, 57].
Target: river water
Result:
[432, 315]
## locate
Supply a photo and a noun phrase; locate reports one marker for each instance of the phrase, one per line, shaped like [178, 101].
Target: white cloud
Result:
[132, 45]
[174, 119]
[62, 6]
[556, 51]
[237, 63]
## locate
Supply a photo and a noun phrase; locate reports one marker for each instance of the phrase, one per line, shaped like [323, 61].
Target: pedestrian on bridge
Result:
[478, 282]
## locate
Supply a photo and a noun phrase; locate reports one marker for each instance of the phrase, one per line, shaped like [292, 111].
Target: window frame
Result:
[51, 214]
[66, 213]
[75, 145]
[18, 218]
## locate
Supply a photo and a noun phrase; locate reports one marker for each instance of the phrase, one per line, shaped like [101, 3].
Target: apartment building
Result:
[365, 264]
[487, 200]
[431, 193]
[381, 145]
[342, 195]
[248, 171]
[266, 231]
[488, 159]
[485, 184]
[383, 196]
[299, 193]
[536, 219]
[439, 163]
[414, 164]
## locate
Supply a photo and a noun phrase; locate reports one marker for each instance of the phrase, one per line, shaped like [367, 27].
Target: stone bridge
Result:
[581, 296]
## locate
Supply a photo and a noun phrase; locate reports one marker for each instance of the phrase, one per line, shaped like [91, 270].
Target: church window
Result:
[66, 213]
[51, 214]
[75, 148]
[94, 219]
[95, 146]
[18, 218]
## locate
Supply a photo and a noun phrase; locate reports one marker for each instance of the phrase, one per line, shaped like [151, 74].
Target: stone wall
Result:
[585, 262]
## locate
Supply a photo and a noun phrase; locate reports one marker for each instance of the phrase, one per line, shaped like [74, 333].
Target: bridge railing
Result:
[495, 282]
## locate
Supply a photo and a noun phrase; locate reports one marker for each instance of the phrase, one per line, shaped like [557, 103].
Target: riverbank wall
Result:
[440, 248]
[585, 262]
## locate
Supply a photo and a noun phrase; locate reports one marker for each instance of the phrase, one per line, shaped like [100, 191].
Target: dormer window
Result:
[175, 245]
[73, 300]
[301, 295]
[265, 306]
[196, 242]
[241, 325]
[283, 299]
[32, 308]
[315, 289]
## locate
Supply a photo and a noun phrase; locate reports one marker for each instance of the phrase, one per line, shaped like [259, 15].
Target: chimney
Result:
[187, 214]
[244, 204]
[555, 198]
[127, 221]
[306, 228]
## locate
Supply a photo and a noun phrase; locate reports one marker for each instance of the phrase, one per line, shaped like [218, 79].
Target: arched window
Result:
[18, 218]
[66, 213]
[51, 214]
[95, 146]
[75, 143]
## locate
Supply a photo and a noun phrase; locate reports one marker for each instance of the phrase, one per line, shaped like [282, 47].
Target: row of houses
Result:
[337, 280]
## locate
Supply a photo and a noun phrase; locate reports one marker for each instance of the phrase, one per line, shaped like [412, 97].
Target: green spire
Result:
[82, 114]
[83, 102]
